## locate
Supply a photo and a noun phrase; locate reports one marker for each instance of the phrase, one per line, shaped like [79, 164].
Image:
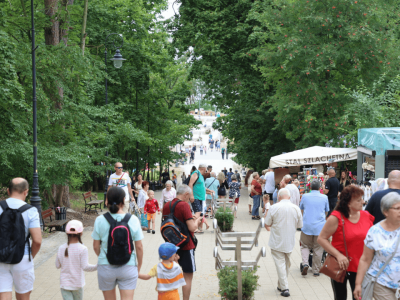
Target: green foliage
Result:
[218, 37]
[225, 219]
[228, 284]
[146, 111]
[308, 50]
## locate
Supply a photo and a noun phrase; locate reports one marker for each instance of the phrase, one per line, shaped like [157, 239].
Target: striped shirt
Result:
[72, 267]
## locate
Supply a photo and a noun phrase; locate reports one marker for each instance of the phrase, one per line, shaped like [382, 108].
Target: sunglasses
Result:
[119, 167]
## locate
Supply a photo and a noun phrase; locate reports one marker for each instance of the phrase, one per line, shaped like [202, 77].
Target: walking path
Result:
[205, 281]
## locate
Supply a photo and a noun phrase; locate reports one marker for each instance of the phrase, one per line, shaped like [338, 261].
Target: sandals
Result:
[249, 212]
[199, 231]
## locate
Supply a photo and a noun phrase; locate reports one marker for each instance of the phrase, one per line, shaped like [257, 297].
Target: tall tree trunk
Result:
[83, 37]
[64, 23]
[52, 33]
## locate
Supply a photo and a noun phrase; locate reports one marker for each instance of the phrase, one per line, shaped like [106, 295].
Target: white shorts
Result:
[21, 275]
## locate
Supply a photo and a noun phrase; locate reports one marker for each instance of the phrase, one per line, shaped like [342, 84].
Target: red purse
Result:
[331, 266]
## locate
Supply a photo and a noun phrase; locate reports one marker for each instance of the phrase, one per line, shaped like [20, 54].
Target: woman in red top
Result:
[256, 195]
[357, 222]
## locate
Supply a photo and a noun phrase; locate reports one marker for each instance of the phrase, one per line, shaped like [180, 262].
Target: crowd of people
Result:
[333, 221]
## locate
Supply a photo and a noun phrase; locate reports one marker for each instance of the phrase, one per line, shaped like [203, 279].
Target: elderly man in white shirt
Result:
[282, 220]
[294, 190]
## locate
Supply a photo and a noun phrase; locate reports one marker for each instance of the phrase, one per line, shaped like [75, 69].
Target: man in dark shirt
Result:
[165, 176]
[374, 203]
[332, 189]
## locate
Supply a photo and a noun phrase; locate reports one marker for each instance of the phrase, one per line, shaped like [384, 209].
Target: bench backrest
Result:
[87, 195]
[47, 213]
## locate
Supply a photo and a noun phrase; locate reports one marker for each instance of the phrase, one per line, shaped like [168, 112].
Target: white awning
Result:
[312, 156]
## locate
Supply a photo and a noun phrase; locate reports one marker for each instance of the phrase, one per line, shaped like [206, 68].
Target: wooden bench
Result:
[56, 223]
[95, 203]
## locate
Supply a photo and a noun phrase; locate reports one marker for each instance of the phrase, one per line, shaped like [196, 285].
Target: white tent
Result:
[312, 156]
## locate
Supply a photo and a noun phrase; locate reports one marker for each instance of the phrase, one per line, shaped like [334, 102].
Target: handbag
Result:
[331, 266]
[367, 286]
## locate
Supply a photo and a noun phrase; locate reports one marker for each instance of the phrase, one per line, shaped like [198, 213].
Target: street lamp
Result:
[117, 59]
[35, 199]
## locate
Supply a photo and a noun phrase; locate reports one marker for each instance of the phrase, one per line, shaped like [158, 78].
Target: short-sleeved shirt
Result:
[332, 184]
[374, 204]
[315, 205]
[383, 243]
[121, 181]
[31, 217]
[101, 230]
[182, 213]
[355, 236]
[229, 175]
[284, 219]
[234, 191]
[257, 187]
[165, 177]
[212, 184]
[269, 182]
[199, 190]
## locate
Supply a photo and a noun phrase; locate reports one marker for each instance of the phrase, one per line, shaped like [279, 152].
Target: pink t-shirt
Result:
[72, 267]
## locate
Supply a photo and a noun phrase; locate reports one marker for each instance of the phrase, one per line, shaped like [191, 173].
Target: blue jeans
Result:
[256, 206]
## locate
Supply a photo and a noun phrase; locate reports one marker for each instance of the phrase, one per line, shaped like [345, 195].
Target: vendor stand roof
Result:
[312, 156]
[379, 139]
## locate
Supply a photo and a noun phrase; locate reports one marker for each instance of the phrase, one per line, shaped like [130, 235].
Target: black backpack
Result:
[175, 231]
[187, 180]
[120, 243]
[12, 234]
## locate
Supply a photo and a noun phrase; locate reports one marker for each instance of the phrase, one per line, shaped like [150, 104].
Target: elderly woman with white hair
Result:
[168, 194]
[381, 251]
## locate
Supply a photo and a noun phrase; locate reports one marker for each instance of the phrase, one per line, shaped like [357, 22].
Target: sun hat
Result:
[166, 250]
[74, 226]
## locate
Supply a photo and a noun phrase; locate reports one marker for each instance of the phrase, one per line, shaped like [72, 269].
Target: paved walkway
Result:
[205, 282]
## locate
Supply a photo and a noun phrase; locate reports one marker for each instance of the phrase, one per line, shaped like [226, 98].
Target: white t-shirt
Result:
[123, 183]
[270, 182]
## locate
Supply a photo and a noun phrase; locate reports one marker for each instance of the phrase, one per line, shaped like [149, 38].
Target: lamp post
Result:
[118, 60]
[35, 199]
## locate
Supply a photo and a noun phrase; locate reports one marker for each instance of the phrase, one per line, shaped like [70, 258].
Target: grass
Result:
[77, 202]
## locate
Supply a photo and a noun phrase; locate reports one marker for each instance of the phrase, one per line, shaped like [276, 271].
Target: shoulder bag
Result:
[331, 266]
[367, 286]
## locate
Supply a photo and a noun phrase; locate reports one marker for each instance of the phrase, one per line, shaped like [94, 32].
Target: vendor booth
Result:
[312, 156]
[378, 152]
[315, 157]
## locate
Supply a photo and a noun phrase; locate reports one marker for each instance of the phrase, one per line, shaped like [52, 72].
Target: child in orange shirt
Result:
[168, 272]
[150, 208]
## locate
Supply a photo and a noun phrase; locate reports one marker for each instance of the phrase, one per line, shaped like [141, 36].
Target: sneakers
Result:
[285, 293]
[304, 270]
[316, 274]
[154, 232]
[148, 231]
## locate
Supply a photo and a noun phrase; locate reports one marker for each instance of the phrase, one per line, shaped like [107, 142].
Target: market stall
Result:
[378, 152]
[315, 157]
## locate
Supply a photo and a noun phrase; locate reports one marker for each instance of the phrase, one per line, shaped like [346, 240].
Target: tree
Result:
[218, 37]
[308, 50]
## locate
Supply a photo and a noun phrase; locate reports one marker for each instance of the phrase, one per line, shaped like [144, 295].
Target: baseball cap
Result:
[74, 226]
[166, 250]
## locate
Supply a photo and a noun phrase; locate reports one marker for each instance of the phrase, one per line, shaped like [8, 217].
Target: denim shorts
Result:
[197, 205]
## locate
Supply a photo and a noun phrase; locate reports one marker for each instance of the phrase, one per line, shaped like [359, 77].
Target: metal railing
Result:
[238, 242]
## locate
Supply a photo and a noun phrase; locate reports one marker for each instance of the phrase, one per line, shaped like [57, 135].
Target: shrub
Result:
[228, 285]
[208, 131]
[224, 216]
